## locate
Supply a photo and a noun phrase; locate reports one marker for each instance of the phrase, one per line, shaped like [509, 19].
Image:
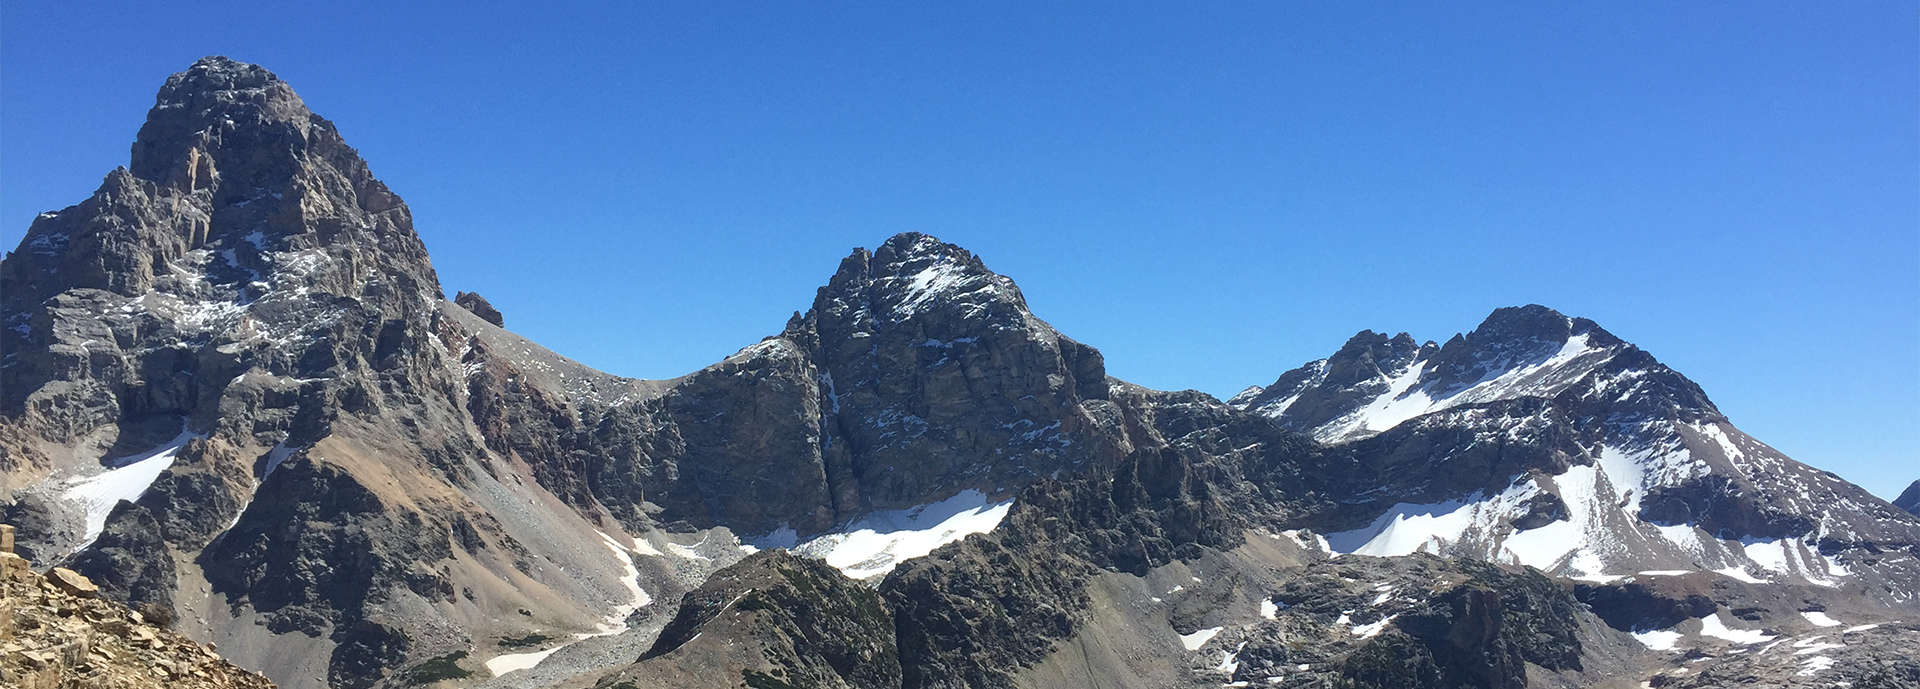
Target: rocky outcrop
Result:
[1422, 623]
[472, 301]
[131, 560]
[805, 623]
[971, 614]
[56, 632]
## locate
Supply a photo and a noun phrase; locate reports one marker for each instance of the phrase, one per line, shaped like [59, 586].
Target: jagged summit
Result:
[1545, 440]
[220, 108]
[1375, 382]
[231, 162]
[911, 273]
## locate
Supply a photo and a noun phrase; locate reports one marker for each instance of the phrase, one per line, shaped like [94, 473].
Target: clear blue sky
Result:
[1211, 193]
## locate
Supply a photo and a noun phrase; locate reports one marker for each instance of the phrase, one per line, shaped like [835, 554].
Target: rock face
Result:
[232, 393]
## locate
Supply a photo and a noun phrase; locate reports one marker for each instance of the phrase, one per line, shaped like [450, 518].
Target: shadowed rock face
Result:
[1909, 499]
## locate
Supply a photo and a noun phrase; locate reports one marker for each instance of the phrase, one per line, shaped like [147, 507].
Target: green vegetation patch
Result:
[534, 639]
[436, 669]
[761, 680]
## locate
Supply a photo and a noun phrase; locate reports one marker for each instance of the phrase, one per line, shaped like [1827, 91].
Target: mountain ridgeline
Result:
[233, 393]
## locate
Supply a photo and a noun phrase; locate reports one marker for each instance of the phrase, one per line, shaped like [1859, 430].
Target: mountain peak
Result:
[216, 118]
[912, 274]
[215, 74]
[1537, 323]
[1375, 382]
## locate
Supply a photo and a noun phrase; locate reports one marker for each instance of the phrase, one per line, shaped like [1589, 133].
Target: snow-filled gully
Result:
[614, 623]
[127, 480]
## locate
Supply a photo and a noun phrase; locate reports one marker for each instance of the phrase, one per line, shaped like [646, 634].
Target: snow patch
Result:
[1815, 665]
[1194, 641]
[1368, 631]
[687, 552]
[1814, 645]
[503, 664]
[1793, 558]
[1659, 640]
[872, 545]
[1712, 626]
[1231, 663]
[1820, 619]
[1741, 574]
[126, 479]
[275, 457]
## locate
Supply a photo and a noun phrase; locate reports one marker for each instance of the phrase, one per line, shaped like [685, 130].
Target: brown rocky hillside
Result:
[55, 631]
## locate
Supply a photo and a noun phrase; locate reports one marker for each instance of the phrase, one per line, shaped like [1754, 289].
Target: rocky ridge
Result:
[1545, 440]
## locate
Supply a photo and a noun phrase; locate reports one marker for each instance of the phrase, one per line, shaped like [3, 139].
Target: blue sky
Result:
[1211, 193]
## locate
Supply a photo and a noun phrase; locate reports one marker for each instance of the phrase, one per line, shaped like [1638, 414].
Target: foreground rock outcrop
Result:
[56, 632]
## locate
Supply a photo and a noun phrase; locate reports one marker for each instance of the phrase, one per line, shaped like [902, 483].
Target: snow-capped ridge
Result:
[1375, 383]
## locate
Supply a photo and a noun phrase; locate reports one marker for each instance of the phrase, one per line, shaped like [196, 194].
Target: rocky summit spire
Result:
[213, 118]
[229, 159]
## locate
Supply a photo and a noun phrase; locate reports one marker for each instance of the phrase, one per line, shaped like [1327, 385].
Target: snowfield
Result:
[873, 545]
[127, 479]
